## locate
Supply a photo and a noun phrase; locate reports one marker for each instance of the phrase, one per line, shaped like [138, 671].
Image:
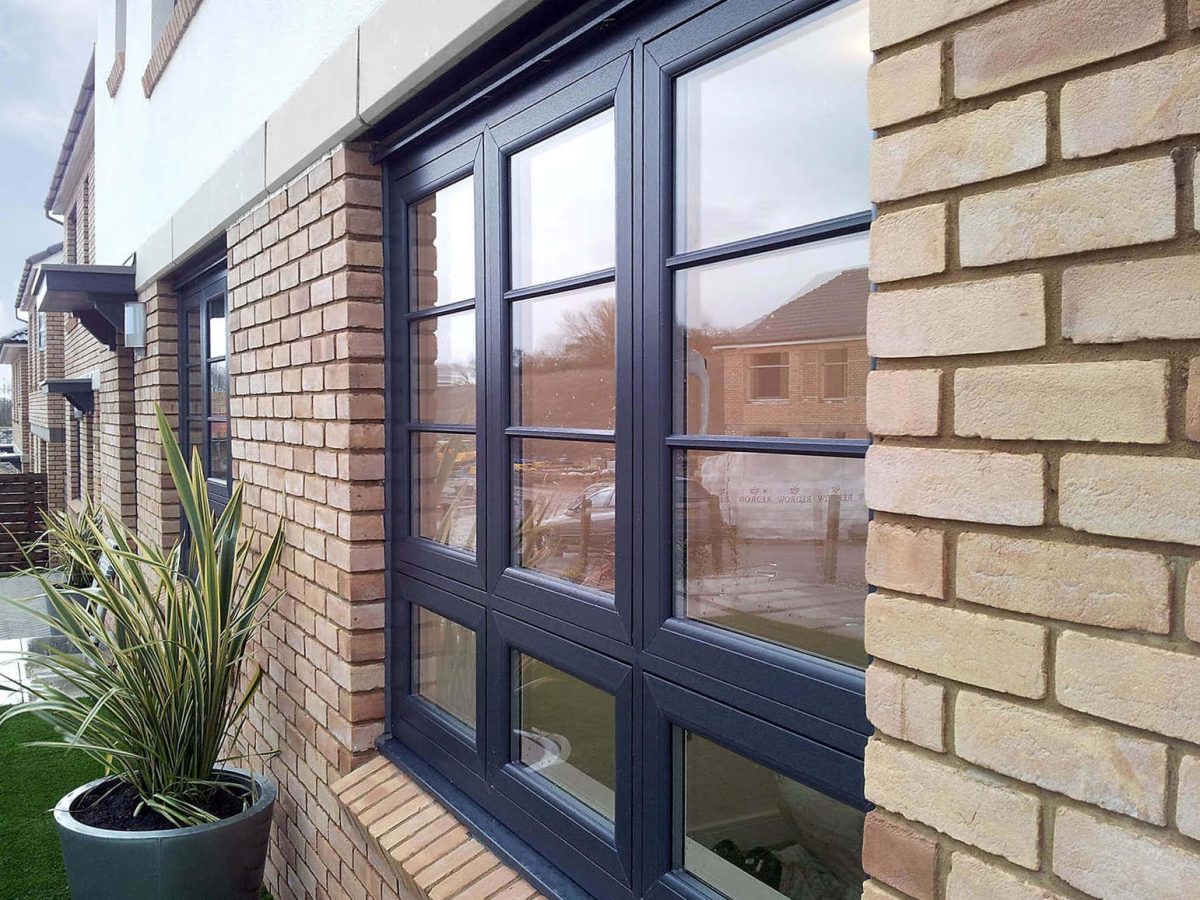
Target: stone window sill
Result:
[172, 34]
[433, 854]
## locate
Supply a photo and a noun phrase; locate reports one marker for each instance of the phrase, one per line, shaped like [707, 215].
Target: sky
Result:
[44, 49]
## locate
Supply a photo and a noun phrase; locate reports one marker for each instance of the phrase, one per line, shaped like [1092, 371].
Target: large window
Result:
[627, 305]
[204, 376]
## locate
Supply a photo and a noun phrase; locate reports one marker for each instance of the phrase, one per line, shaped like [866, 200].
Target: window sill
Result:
[116, 74]
[434, 855]
[168, 41]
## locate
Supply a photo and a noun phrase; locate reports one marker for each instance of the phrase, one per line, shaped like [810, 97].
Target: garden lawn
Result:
[32, 780]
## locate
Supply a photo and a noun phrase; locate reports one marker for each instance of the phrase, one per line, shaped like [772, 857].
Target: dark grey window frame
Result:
[799, 714]
[197, 287]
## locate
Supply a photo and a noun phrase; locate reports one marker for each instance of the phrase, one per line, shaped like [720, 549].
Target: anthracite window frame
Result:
[199, 286]
[75, 476]
[799, 714]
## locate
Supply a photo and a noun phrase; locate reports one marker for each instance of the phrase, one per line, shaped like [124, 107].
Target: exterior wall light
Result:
[135, 325]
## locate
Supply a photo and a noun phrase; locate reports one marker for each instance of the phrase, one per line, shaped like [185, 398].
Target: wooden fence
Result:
[22, 499]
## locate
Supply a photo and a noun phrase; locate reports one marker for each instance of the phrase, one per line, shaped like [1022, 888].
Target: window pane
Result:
[218, 389]
[195, 438]
[443, 253]
[195, 391]
[444, 360]
[216, 327]
[565, 730]
[564, 510]
[789, 309]
[564, 359]
[444, 664]
[444, 492]
[193, 333]
[773, 545]
[751, 832]
[564, 203]
[774, 135]
[218, 450]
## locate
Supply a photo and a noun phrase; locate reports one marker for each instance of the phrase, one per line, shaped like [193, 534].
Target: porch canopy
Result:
[95, 295]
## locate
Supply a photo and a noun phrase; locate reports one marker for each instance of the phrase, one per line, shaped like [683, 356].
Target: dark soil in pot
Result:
[113, 808]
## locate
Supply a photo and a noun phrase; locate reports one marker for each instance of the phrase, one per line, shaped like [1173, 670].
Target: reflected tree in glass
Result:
[445, 492]
[444, 664]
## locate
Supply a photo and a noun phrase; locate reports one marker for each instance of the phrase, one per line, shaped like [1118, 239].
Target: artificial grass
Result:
[32, 780]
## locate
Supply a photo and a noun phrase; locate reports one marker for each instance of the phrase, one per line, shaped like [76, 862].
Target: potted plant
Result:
[82, 531]
[156, 690]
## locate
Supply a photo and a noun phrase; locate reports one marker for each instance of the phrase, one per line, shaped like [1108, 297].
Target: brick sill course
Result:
[433, 854]
[116, 73]
[172, 34]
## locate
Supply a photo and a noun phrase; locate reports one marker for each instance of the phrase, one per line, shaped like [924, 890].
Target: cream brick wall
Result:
[307, 419]
[1036, 472]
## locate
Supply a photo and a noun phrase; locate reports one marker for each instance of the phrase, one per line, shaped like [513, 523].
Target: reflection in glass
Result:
[444, 664]
[443, 354]
[774, 546]
[775, 343]
[752, 832]
[564, 198]
[218, 450]
[444, 467]
[565, 730]
[565, 510]
[216, 328]
[774, 135]
[195, 392]
[192, 333]
[564, 359]
[443, 246]
[218, 389]
[195, 438]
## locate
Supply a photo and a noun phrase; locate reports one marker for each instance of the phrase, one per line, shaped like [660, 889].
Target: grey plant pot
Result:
[224, 859]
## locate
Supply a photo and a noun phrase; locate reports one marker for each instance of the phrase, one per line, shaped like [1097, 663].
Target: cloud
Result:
[31, 122]
[44, 46]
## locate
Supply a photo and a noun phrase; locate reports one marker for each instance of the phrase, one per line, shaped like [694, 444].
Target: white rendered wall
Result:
[237, 63]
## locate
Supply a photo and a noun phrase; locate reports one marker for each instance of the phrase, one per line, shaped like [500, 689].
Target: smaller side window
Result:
[833, 374]
[769, 376]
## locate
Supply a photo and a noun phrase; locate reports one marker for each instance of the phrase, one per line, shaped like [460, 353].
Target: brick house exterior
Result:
[82, 454]
[1027, 365]
[14, 354]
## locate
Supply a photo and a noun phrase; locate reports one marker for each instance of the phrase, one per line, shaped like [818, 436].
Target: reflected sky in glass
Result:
[775, 135]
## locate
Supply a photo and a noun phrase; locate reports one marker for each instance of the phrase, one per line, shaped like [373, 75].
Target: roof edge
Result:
[82, 103]
[30, 262]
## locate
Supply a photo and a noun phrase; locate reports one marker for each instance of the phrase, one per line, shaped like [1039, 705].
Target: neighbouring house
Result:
[734, 448]
[14, 353]
[75, 377]
[41, 434]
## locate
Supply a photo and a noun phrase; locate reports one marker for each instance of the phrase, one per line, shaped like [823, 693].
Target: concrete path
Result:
[17, 630]
[15, 624]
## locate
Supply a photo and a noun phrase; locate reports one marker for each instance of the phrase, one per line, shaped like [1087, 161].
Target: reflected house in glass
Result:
[777, 543]
[798, 371]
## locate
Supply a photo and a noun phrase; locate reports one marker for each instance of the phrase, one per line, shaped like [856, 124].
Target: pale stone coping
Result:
[395, 52]
[434, 856]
